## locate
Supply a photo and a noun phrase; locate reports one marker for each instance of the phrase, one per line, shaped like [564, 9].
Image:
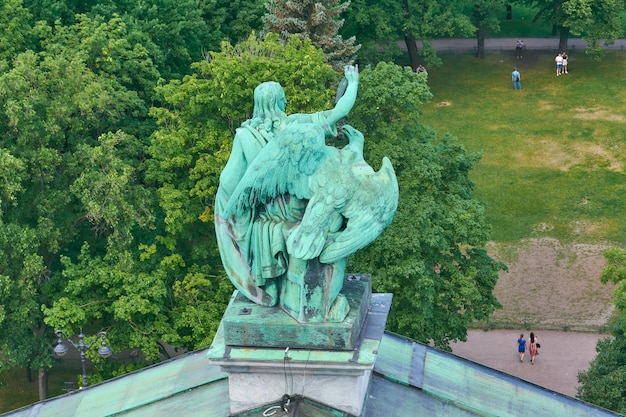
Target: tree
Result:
[15, 29]
[315, 20]
[432, 256]
[231, 20]
[380, 24]
[57, 103]
[485, 15]
[22, 273]
[604, 383]
[173, 33]
[596, 20]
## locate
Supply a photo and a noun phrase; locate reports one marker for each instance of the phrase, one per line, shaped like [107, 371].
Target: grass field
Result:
[553, 153]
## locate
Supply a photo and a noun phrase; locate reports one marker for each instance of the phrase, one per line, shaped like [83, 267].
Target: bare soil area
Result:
[552, 286]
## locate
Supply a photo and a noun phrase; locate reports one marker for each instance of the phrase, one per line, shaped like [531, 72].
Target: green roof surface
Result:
[410, 379]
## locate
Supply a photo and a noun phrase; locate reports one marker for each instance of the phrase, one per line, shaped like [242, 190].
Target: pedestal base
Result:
[337, 378]
[248, 324]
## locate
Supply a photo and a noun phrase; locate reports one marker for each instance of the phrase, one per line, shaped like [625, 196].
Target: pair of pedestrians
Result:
[533, 347]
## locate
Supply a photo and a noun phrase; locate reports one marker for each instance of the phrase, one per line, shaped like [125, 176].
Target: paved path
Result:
[561, 356]
[504, 44]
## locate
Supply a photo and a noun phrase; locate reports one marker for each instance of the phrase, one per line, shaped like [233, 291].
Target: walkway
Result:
[561, 356]
[503, 44]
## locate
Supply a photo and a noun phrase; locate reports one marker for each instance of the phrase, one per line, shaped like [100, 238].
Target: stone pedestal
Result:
[336, 377]
[248, 324]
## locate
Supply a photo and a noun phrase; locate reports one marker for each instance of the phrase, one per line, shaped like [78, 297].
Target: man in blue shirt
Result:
[515, 77]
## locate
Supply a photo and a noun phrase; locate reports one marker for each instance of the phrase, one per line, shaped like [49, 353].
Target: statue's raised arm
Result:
[346, 101]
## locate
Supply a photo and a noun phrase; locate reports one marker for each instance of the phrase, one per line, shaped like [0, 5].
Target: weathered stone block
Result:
[248, 324]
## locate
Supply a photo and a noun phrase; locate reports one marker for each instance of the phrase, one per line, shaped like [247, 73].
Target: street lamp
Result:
[61, 348]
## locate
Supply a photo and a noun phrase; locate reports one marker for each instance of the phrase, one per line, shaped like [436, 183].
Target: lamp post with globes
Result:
[61, 349]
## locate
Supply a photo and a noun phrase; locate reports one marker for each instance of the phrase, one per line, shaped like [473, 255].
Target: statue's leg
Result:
[310, 291]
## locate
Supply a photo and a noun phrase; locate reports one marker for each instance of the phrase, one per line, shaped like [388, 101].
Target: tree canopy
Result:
[379, 25]
[118, 117]
[597, 21]
[604, 383]
[316, 20]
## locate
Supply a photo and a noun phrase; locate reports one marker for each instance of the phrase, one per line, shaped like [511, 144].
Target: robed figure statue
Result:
[290, 209]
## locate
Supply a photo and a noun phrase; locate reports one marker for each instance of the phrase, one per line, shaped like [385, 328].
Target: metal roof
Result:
[409, 379]
[183, 386]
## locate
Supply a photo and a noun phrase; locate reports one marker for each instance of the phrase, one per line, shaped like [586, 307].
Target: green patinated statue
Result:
[290, 209]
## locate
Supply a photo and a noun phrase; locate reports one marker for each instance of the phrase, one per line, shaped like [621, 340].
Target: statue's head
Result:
[269, 100]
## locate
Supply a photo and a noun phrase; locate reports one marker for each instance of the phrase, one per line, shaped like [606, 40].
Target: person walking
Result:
[564, 64]
[516, 78]
[521, 347]
[533, 347]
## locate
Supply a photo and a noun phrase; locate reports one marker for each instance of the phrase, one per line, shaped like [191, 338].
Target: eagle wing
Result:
[284, 165]
[368, 213]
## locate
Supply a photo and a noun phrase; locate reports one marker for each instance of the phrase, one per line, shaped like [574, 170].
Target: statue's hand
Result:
[351, 73]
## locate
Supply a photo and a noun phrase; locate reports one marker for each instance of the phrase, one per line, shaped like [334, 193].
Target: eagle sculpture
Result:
[348, 204]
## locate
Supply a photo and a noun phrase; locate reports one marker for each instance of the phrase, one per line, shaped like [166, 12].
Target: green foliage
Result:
[65, 182]
[108, 289]
[487, 14]
[378, 25]
[198, 312]
[114, 202]
[431, 256]
[170, 34]
[615, 272]
[22, 274]
[598, 21]
[15, 29]
[604, 383]
[231, 20]
[315, 20]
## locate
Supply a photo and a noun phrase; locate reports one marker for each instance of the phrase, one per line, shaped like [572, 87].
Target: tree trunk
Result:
[29, 374]
[411, 47]
[563, 38]
[509, 12]
[480, 38]
[43, 384]
[409, 39]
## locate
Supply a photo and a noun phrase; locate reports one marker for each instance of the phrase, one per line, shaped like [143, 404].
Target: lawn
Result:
[553, 153]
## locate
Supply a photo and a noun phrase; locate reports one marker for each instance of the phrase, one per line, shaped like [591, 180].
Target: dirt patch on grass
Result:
[598, 114]
[554, 154]
[552, 286]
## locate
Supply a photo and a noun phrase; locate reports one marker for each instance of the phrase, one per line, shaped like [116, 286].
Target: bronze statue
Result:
[290, 209]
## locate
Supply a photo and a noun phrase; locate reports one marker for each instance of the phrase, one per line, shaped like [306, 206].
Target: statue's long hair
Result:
[267, 116]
